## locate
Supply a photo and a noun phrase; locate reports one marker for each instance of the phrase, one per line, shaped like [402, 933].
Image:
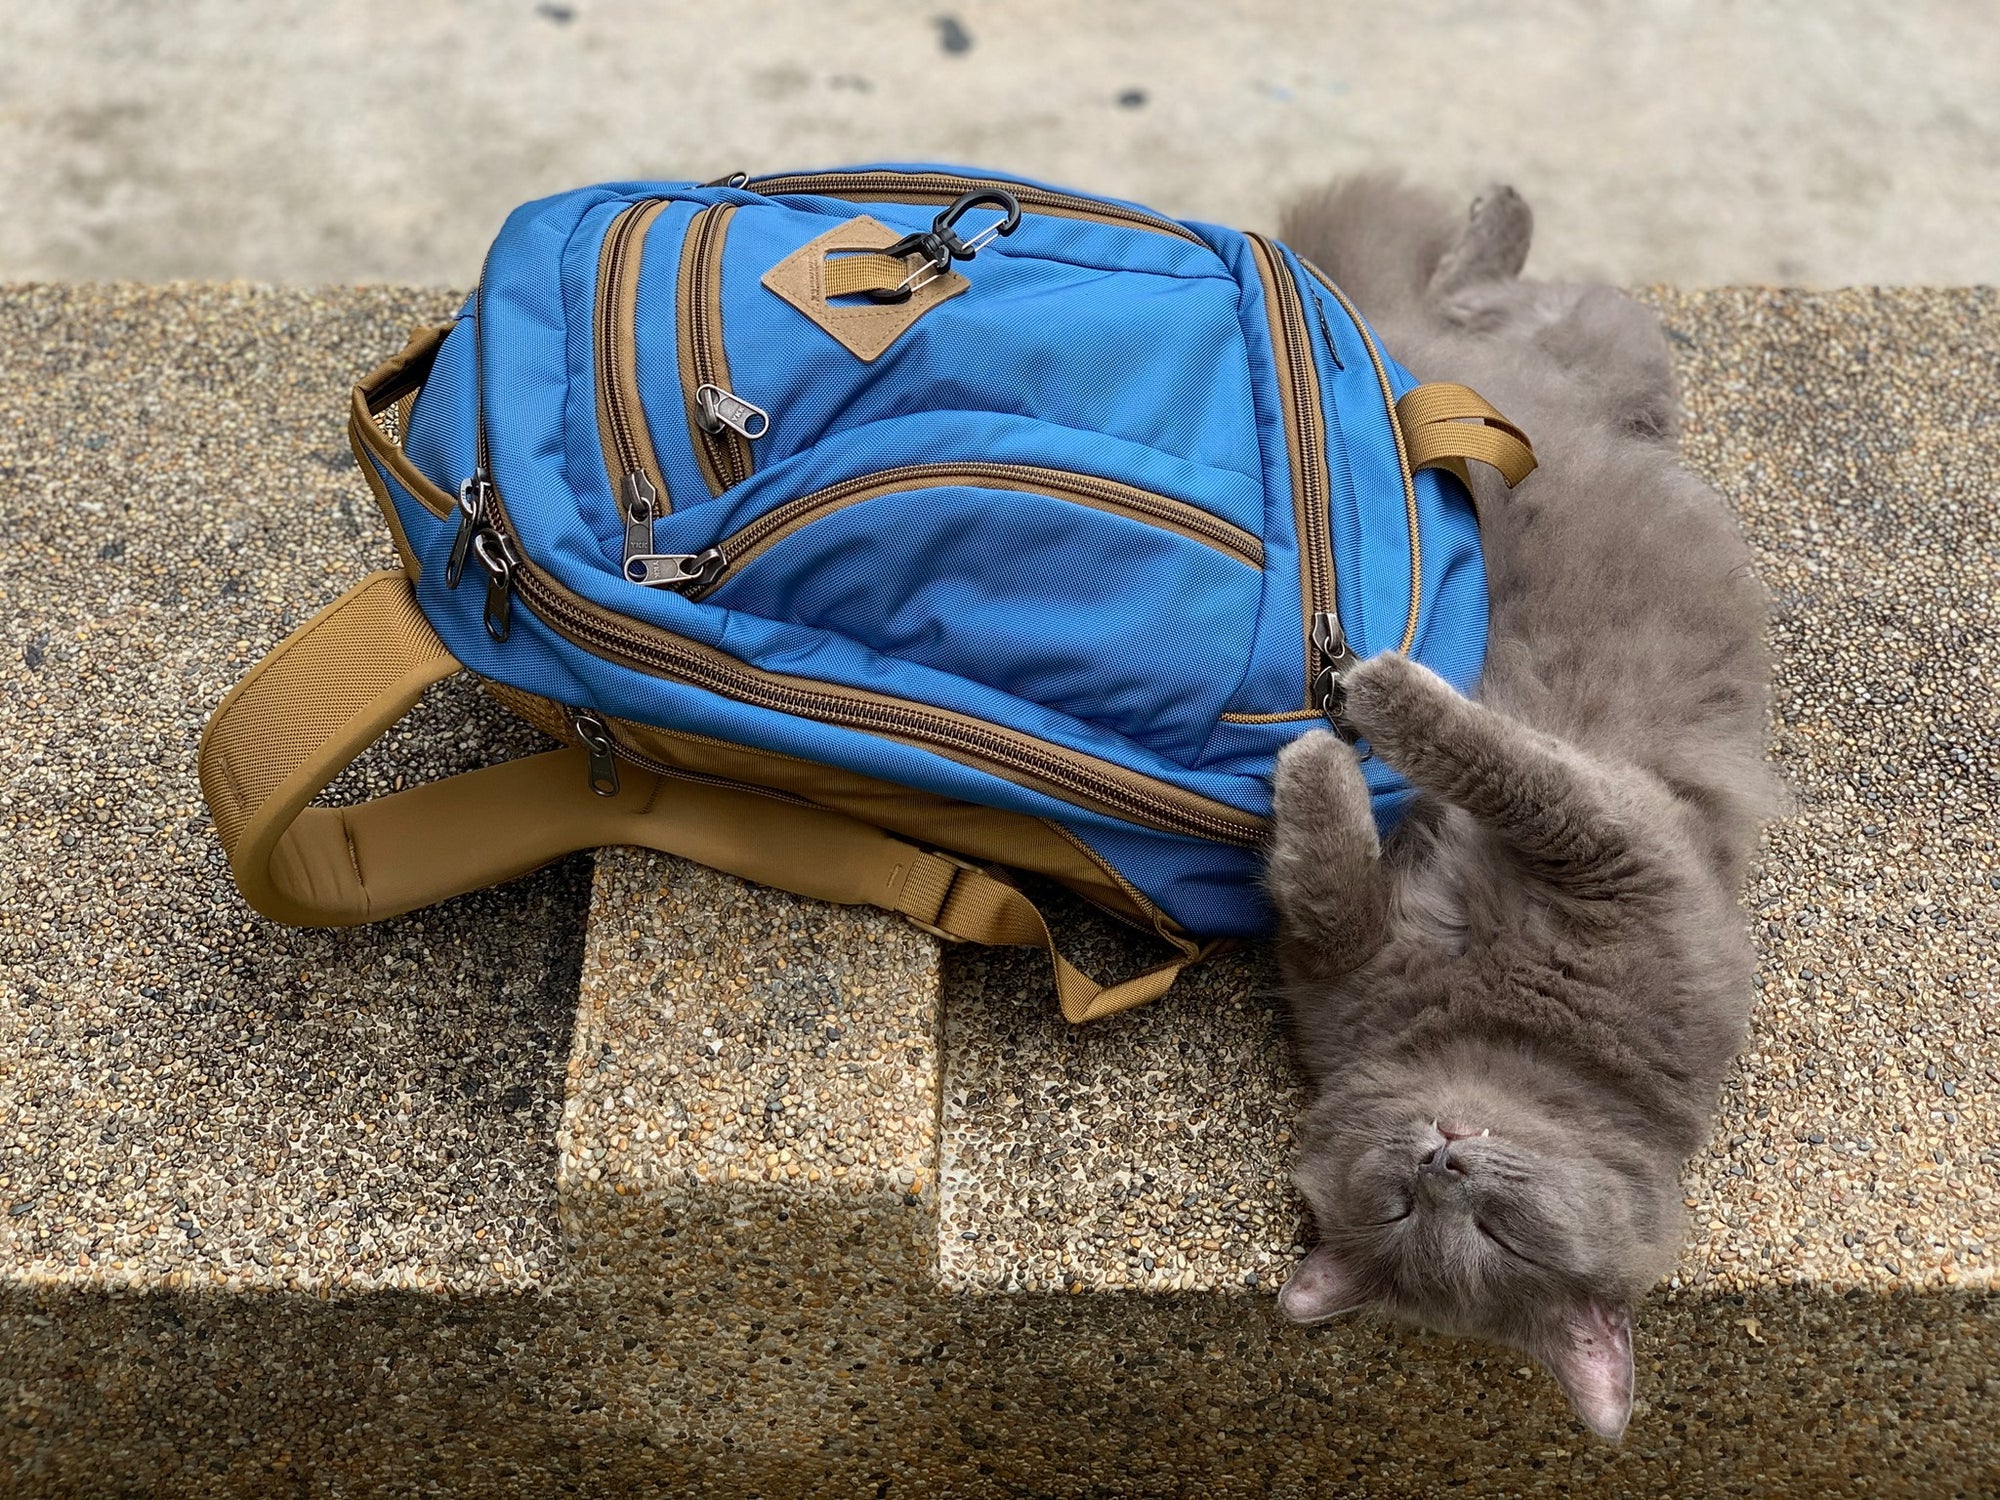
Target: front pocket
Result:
[1035, 336]
[1114, 605]
[744, 545]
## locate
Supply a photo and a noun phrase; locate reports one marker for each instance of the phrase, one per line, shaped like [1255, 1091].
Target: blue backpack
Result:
[864, 532]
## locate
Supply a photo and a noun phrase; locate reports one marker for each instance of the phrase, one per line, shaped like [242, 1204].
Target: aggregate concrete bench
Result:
[646, 1181]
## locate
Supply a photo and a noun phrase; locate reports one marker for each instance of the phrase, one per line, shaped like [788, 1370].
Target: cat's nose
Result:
[1440, 1164]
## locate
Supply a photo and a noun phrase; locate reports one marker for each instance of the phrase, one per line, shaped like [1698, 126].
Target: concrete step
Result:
[815, 1209]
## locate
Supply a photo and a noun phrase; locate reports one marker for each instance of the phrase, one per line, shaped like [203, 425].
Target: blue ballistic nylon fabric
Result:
[1089, 348]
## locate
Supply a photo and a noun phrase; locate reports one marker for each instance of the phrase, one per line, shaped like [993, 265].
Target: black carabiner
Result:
[1000, 198]
[940, 245]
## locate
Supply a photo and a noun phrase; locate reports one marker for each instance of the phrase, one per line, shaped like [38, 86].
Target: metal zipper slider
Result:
[496, 555]
[1330, 649]
[715, 409]
[471, 511]
[677, 570]
[641, 503]
[599, 746]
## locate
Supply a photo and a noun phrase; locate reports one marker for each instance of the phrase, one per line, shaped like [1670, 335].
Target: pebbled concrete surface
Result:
[1802, 142]
[190, 1096]
[667, 1303]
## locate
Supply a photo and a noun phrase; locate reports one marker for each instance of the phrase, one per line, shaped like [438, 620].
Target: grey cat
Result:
[1517, 1010]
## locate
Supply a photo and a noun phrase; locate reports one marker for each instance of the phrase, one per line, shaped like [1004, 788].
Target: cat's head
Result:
[1482, 1195]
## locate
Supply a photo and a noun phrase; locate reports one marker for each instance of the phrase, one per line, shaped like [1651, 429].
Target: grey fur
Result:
[1549, 947]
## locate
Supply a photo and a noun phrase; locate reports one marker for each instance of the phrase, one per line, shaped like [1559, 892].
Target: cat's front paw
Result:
[1392, 700]
[1325, 872]
[1320, 794]
[1323, 836]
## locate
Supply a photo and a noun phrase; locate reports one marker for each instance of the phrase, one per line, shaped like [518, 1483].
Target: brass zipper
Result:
[1069, 775]
[596, 733]
[722, 449]
[944, 187]
[1327, 652]
[1402, 455]
[773, 527]
[629, 459]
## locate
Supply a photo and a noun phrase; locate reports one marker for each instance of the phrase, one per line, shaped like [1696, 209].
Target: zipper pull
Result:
[715, 409]
[641, 505]
[471, 511]
[599, 746]
[496, 555]
[677, 570]
[1330, 648]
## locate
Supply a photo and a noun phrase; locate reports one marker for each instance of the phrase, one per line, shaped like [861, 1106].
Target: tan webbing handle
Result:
[1445, 424]
[338, 682]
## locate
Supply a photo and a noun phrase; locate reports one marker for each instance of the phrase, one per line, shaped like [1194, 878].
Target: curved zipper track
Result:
[774, 526]
[724, 456]
[1402, 455]
[943, 187]
[1126, 794]
[1305, 424]
[618, 246]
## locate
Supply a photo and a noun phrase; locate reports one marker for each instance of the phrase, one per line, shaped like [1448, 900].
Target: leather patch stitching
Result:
[864, 329]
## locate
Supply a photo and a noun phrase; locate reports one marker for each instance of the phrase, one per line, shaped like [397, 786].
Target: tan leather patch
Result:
[863, 328]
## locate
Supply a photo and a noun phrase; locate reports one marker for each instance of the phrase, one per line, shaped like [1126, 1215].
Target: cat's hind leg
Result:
[1493, 246]
[1325, 872]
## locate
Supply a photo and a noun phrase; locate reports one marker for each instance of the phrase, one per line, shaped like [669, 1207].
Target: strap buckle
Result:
[944, 901]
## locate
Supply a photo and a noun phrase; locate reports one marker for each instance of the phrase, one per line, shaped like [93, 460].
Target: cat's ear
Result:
[1319, 1288]
[1589, 1351]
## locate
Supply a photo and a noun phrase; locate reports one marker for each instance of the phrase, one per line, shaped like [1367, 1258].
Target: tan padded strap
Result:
[332, 688]
[1445, 424]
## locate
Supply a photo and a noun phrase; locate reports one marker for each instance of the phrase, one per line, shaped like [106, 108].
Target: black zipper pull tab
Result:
[471, 513]
[642, 504]
[1334, 656]
[599, 746]
[677, 570]
[496, 555]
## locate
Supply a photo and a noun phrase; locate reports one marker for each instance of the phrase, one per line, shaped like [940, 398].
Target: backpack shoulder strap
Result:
[343, 678]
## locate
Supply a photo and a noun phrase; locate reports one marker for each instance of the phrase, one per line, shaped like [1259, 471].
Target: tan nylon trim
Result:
[333, 686]
[387, 383]
[618, 308]
[385, 504]
[1441, 422]
[816, 272]
[1402, 455]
